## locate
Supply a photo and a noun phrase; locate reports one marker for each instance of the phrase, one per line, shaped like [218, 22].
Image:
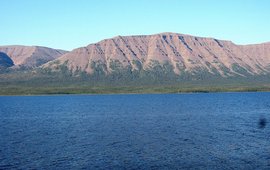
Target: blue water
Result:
[168, 131]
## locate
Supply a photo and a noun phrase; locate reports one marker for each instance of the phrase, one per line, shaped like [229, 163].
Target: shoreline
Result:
[134, 93]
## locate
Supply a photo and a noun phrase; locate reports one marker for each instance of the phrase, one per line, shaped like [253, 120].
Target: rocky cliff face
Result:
[181, 53]
[30, 56]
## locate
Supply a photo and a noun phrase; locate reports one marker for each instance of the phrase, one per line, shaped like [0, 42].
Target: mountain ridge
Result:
[158, 63]
[183, 52]
[174, 52]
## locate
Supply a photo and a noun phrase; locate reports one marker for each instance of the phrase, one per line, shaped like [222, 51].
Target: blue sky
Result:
[68, 24]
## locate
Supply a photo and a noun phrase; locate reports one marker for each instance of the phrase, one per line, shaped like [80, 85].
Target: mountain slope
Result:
[30, 56]
[259, 52]
[5, 61]
[178, 52]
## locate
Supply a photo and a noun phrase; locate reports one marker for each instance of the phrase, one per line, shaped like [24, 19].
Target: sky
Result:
[69, 24]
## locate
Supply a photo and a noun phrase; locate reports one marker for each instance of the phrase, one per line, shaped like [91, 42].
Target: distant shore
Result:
[25, 91]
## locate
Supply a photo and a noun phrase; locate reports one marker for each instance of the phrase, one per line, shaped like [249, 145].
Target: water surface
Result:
[167, 131]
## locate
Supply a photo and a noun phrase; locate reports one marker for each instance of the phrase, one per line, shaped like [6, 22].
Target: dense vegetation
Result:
[161, 79]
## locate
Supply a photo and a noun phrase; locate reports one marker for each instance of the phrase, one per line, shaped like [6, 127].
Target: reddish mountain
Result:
[30, 56]
[184, 53]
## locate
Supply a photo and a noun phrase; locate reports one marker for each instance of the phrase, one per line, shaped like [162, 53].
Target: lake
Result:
[161, 131]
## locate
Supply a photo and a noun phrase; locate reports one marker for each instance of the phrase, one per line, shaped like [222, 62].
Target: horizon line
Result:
[134, 35]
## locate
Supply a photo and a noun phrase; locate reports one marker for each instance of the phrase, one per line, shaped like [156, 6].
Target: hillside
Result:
[30, 56]
[5, 61]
